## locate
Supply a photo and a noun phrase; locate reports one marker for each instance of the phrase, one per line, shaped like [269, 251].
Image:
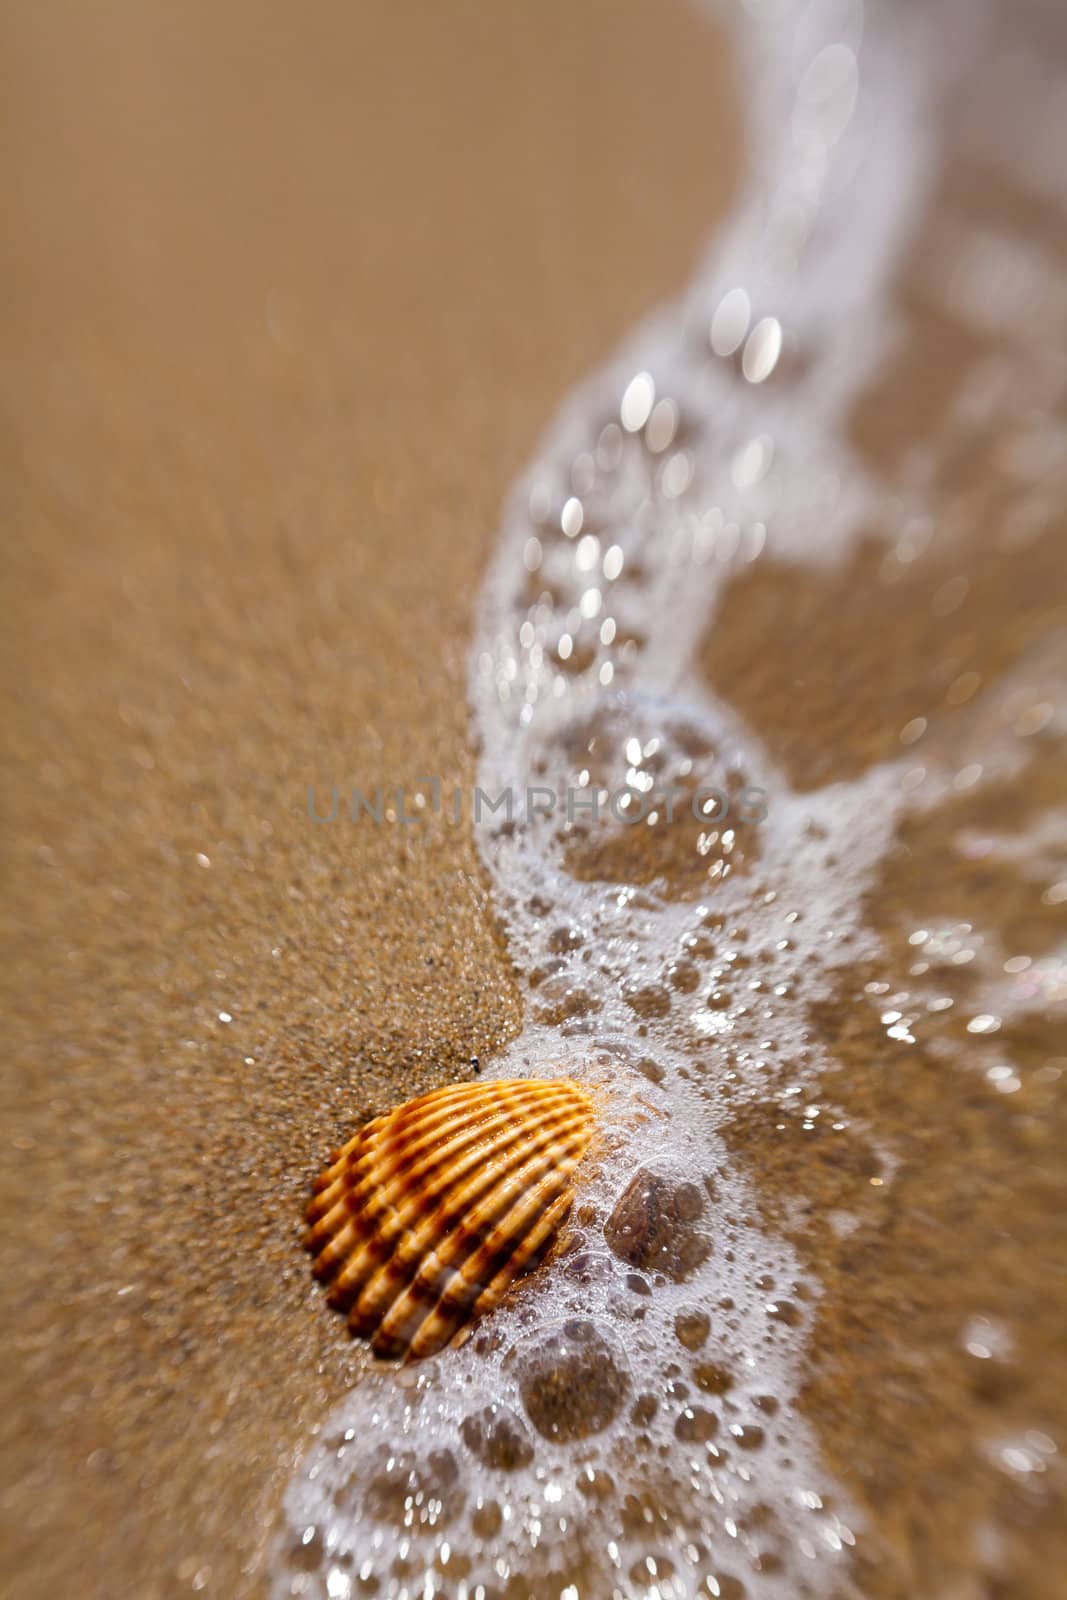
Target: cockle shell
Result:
[428, 1215]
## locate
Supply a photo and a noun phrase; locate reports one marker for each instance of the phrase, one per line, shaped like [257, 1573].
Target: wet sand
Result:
[928, 1192]
[286, 303]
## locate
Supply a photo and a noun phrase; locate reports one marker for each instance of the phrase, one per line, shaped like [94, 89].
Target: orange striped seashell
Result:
[427, 1216]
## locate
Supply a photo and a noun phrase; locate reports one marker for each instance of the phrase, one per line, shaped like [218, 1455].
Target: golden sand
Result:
[288, 296]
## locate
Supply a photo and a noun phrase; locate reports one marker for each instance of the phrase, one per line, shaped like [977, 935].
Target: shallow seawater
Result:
[783, 596]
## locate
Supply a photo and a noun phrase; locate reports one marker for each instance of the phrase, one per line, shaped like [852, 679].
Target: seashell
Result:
[427, 1216]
